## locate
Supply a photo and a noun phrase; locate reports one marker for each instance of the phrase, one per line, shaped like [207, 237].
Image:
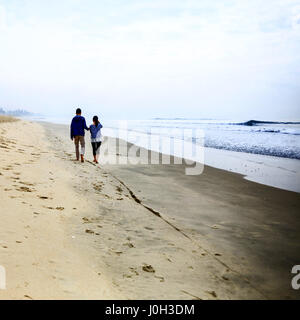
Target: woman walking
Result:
[96, 137]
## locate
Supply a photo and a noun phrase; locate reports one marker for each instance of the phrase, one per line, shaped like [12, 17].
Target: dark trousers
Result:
[96, 147]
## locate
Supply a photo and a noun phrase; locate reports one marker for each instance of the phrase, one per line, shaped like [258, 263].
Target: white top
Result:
[98, 137]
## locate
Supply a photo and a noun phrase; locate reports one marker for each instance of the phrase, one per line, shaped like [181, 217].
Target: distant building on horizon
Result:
[15, 113]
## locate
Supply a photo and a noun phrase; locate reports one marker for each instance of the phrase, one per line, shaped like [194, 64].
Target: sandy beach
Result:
[80, 231]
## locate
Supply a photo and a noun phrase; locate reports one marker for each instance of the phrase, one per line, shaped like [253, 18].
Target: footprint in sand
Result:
[98, 187]
[119, 189]
[44, 197]
[4, 147]
[148, 268]
[26, 183]
[50, 208]
[25, 189]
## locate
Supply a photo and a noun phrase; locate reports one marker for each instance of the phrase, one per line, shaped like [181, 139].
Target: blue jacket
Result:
[94, 130]
[77, 126]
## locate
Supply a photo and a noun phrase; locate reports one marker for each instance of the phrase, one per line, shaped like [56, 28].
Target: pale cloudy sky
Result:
[159, 58]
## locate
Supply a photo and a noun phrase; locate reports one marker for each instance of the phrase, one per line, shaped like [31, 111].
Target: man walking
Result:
[78, 126]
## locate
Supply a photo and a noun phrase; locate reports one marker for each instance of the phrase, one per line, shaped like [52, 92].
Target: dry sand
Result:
[70, 230]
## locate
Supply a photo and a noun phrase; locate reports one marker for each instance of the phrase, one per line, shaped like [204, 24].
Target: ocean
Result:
[280, 139]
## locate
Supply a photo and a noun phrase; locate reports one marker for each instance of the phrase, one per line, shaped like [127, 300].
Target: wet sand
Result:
[137, 231]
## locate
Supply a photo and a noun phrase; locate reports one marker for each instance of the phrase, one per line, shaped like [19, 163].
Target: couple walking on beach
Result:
[78, 127]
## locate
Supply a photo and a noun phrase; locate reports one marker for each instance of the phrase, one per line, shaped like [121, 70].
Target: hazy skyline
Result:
[146, 59]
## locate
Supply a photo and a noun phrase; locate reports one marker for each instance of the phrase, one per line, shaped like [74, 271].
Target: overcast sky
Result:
[159, 58]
